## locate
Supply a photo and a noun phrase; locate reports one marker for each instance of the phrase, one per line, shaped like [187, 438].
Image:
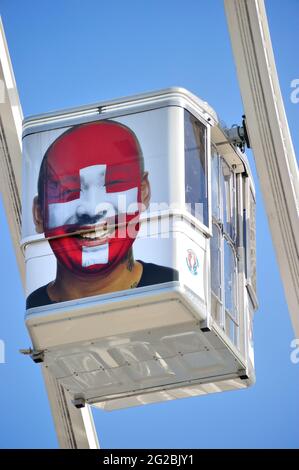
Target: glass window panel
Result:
[252, 242]
[216, 307]
[228, 190]
[216, 261]
[233, 193]
[224, 177]
[196, 190]
[245, 235]
[230, 285]
[215, 185]
[231, 330]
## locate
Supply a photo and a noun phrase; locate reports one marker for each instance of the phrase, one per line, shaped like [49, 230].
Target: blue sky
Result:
[73, 52]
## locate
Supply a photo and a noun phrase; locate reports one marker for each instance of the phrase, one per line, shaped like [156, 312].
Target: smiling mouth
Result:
[98, 234]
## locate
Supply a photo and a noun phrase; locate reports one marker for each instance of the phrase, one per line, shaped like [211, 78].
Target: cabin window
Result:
[196, 188]
[224, 284]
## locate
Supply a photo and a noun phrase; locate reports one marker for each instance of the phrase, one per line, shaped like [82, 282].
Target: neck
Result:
[69, 286]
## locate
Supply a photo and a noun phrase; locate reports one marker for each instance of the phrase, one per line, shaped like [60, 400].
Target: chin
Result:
[90, 272]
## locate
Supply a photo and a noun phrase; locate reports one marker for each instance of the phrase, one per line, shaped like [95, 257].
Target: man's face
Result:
[92, 185]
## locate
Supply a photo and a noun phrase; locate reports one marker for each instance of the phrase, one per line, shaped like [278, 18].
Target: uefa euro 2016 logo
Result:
[192, 262]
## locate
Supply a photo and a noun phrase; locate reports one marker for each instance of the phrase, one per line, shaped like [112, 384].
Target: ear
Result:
[145, 190]
[37, 216]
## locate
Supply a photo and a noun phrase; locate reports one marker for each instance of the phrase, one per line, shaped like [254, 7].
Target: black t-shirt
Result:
[151, 274]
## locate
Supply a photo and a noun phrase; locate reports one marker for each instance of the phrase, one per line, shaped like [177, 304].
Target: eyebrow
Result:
[66, 178]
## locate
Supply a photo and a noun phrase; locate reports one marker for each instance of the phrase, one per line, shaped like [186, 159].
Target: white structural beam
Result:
[10, 149]
[75, 428]
[269, 136]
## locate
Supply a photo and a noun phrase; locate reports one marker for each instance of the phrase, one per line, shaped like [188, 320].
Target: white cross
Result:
[93, 200]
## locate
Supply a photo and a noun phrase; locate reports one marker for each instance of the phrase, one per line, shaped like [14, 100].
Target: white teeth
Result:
[95, 234]
[88, 235]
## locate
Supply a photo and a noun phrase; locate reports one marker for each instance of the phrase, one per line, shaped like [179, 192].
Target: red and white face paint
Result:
[92, 187]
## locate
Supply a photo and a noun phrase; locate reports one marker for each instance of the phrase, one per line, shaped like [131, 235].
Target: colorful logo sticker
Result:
[192, 262]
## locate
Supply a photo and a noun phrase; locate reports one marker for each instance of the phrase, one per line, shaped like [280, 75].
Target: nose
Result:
[90, 210]
[88, 219]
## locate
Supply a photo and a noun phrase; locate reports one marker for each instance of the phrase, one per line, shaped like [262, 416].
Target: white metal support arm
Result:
[74, 427]
[269, 136]
[10, 149]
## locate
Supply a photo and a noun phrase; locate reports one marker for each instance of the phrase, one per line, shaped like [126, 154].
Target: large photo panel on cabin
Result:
[105, 204]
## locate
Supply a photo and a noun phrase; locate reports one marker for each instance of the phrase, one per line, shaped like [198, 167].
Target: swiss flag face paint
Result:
[92, 187]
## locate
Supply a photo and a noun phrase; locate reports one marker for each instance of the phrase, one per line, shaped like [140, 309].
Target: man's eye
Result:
[67, 192]
[111, 183]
